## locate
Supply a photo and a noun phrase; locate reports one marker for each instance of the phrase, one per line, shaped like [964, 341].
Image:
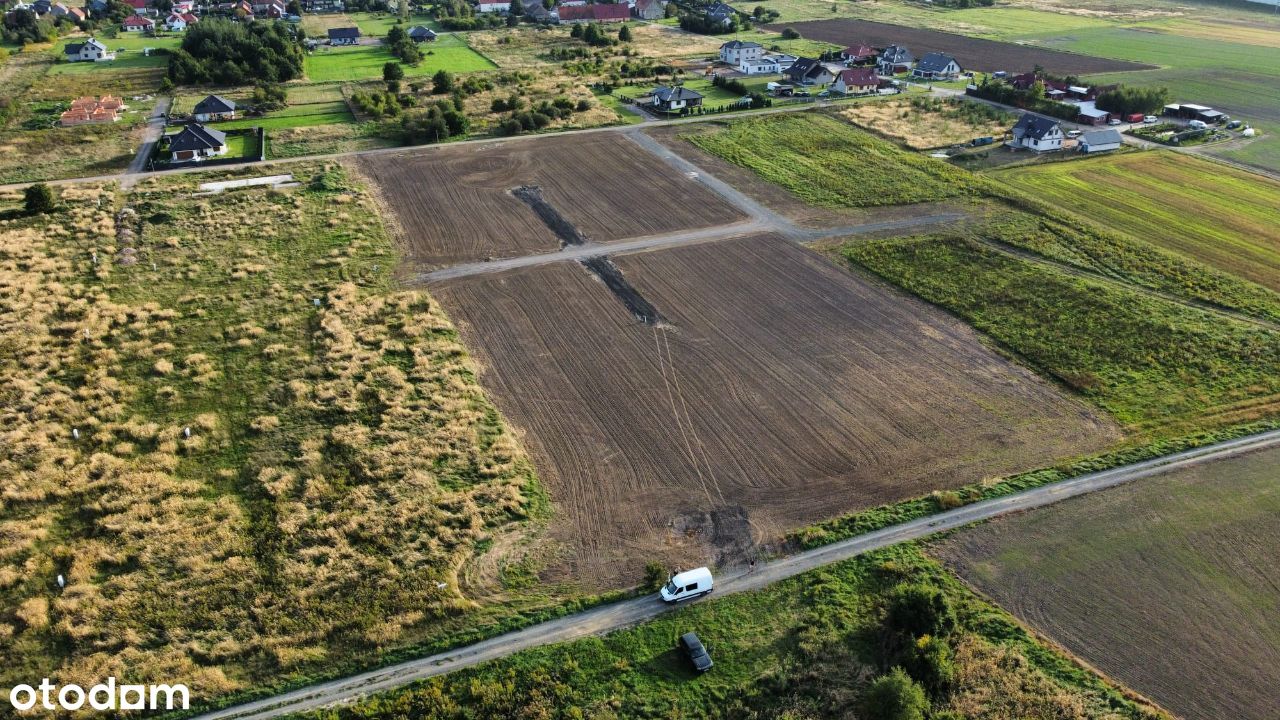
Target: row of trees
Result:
[1129, 100]
[222, 52]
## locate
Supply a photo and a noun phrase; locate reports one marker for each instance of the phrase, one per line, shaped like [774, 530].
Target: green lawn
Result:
[831, 163]
[296, 116]
[450, 53]
[129, 49]
[1150, 362]
[711, 94]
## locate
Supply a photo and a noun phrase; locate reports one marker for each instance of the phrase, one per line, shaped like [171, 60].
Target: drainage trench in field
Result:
[601, 267]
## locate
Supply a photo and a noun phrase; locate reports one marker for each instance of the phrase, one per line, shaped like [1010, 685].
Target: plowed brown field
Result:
[777, 391]
[455, 204]
[1169, 584]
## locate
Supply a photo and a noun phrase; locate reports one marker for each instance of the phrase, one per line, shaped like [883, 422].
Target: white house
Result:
[138, 23]
[214, 107]
[1101, 141]
[1037, 133]
[91, 50]
[760, 66]
[675, 98]
[937, 66]
[493, 7]
[735, 51]
[177, 22]
[197, 142]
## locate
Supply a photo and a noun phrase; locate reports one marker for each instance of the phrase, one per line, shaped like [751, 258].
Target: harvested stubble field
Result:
[924, 123]
[455, 204]
[1159, 197]
[1169, 585]
[779, 390]
[971, 53]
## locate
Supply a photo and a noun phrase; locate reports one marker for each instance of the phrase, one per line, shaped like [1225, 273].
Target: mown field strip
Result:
[624, 614]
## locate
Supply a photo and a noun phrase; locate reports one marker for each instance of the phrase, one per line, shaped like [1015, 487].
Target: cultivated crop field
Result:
[775, 390]
[1206, 211]
[455, 204]
[1169, 585]
[971, 53]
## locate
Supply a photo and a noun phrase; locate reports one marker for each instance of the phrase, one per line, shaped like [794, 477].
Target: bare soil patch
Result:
[776, 386]
[456, 204]
[1168, 585]
[971, 53]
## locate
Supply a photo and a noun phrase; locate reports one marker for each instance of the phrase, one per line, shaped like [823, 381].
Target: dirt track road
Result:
[620, 615]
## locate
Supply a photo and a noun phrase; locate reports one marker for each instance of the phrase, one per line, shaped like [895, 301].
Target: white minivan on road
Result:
[687, 585]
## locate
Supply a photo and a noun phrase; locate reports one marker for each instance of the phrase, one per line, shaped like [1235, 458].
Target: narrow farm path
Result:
[620, 615]
[153, 133]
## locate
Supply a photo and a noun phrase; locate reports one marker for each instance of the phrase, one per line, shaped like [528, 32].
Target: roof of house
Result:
[858, 51]
[187, 18]
[1035, 126]
[675, 93]
[1090, 110]
[136, 4]
[197, 137]
[739, 45]
[419, 31]
[214, 104]
[1110, 136]
[647, 4]
[761, 61]
[935, 62]
[138, 20]
[720, 10]
[804, 67]
[74, 48]
[897, 54]
[860, 77]
[344, 33]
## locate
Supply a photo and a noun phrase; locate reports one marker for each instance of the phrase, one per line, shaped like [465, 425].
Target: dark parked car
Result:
[697, 653]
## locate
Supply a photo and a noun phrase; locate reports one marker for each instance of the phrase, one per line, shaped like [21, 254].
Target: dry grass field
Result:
[245, 450]
[777, 390]
[455, 204]
[922, 123]
[1168, 585]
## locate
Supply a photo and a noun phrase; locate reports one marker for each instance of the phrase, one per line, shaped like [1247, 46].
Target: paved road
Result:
[155, 130]
[630, 612]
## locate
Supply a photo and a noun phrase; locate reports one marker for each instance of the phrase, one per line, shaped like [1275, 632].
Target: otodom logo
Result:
[104, 696]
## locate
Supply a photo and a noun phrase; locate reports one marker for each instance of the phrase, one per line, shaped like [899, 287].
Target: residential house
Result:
[537, 12]
[1038, 133]
[937, 66]
[97, 8]
[183, 7]
[650, 9]
[324, 6]
[214, 107]
[895, 59]
[735, 51]
[418, 34]
[42, 7]
[58, 10]
[197, 142]
[856, 81]
[140, 7]
[721, 13]
[91, 50]
[493, 7]
[276, 10]
[599, 12]
[1101, 141]
[77, 15]
[807, 71]
[674, 99]
[784, 61]
[177, 22]
[760, 66]
[138, 23]
[344, 36]
[858, 54]
[92, 111]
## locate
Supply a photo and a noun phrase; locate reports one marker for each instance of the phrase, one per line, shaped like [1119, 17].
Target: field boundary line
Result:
[616, 616]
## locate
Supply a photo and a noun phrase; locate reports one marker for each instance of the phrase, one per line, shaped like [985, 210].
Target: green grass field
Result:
[450, 53]
[1168, 585]
[833, 164]
[129, 48]
[1202, 210]
[1155, 364]
[325, 113]
[798, 649]
[711, 94]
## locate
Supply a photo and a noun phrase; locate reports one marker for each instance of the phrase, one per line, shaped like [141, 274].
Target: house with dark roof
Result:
[720, 13]
[856, 81]
[1100, 141]
[344, 36]
[418, 33]
[858, 54]
[650, 9]
[91, 50]
[196, 142]
[937, 66]
[735, 51]
[214, 107]
[895, 59]
[674, 99]
[808, 71]
[1038, 133]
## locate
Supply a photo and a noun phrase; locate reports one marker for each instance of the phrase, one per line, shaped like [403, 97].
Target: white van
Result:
[687, 585]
